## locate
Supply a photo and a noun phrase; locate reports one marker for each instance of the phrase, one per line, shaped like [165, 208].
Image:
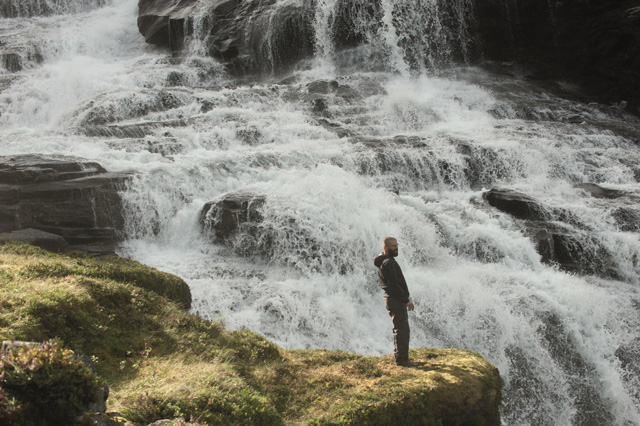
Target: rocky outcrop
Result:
[596, 43]
[592, 42]
[234, 215]
[597, 191]
[69, 197]
[516, 204]
[247, 36]
[447, 386]
[558, 235]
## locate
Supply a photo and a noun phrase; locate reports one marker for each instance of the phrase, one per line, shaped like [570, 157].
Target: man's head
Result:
[390, 246]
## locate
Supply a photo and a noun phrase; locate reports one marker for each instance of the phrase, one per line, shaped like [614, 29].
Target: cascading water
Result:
[25, 8]
[341, 159]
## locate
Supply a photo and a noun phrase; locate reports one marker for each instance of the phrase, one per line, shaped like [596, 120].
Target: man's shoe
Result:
[406, 364]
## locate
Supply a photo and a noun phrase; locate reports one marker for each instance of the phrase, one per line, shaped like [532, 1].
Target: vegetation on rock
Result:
[44, 385]
[162, 362]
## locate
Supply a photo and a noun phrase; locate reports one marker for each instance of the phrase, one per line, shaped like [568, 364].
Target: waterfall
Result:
[381, 135]
[323, 22]
[27, 8]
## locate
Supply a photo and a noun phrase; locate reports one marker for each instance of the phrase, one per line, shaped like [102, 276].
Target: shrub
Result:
[9, 409]
[45, 385]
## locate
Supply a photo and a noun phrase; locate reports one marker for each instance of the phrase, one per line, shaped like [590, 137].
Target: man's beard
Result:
[393, 253]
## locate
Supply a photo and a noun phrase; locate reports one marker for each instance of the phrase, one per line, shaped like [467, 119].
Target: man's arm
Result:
[391, 273]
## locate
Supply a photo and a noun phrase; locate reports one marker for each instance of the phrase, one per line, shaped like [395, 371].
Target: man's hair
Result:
[387, 240]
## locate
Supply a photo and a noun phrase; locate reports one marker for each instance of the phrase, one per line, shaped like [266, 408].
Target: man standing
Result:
[396, 298]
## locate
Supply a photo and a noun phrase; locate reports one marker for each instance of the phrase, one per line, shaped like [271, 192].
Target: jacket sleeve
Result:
[396, 285]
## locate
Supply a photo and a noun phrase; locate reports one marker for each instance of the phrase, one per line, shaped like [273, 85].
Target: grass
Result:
[162, 362]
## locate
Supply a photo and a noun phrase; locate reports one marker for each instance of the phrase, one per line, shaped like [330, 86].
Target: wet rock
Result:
[11, 61]
[518, 205]
[572, 250]
[249, 135]
[558, 236]
[346, 32]
[597, 191]
[323, 86]
[627, 219]
[154, 19]
[592, 42]
[69, 197]
[129, 131]
[116, 107]
[32, 169]
[232, 215]
[248, 37]
[319, 106]
[333, 126]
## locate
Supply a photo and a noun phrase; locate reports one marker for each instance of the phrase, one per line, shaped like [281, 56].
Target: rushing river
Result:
[348, 148]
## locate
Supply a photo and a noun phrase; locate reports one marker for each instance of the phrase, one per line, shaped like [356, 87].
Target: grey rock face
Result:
[559, 236]
[223, 219]
[592, 42]
[251, 36]
[516, 204]
[69, 197]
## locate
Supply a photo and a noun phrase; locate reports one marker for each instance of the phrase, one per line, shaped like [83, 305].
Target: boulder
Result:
[516, 204]
[233, 213]
[35, 237]
[557, 234]
[572, 250]
[597, 191]
[66, 196]
[323, 87]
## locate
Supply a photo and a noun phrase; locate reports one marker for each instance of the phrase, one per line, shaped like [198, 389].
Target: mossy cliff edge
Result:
[161, 362]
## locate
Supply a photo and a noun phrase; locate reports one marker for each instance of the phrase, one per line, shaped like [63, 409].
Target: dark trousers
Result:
[400, 318]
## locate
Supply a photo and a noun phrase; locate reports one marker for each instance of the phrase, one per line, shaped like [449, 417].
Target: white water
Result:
[567, 346]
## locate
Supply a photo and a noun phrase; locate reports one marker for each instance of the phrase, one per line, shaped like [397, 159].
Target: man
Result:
[396, 298]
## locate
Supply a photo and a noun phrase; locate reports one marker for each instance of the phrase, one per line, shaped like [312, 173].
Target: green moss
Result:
[162, 362]
[48, 265]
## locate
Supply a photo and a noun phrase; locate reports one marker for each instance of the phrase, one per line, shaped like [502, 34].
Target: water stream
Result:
[405, 148]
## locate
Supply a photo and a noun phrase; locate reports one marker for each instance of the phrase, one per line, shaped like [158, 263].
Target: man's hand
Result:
[410, 306]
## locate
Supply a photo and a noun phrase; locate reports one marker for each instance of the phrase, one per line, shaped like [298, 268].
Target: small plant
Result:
[44, 385]
[9, 409]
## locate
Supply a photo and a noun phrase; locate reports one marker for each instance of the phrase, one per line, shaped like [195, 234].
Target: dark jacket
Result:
[391, 278]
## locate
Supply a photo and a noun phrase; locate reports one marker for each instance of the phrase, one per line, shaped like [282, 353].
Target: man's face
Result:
[392, 248]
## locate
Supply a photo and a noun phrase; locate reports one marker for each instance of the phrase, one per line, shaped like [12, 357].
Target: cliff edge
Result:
[161, 362]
